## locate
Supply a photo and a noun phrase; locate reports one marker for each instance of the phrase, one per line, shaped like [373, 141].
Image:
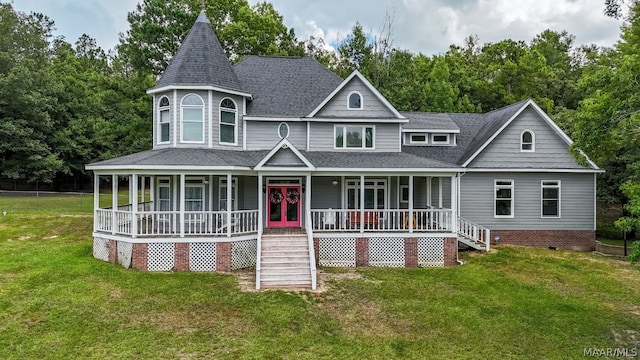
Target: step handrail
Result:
[474, 232]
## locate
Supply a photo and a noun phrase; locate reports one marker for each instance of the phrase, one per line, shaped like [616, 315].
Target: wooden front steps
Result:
[284, 261]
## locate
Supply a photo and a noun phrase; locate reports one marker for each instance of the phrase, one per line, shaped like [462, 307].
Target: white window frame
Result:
[361, 101]
[424, 142]
[162, 109]
[344, 138]
[164, 182]
[550, 185]
[183, 121]
[221, 124]
[355, 185]
[533, 141]
[434, 142]
[497, 187]
[222, 189]
[402, 198]
[195, 182]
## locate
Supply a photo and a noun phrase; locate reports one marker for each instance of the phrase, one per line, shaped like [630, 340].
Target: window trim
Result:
[234, 192]
[426, 139]
[558, 186]
[344, 140]
[533, 141]
[235, 123]
[434, 142]
[182, 120]
[402, 199]
[496, 187]
[160, 110]
[354, 184]
[164, 182]
[349, 103]
[195, 182]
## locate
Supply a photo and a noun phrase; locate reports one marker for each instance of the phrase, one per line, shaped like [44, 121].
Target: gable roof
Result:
[284, 145]
[284, 86]
[200, 61]
[346, 81]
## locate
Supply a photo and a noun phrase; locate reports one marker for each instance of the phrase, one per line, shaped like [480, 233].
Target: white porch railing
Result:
[424, 220]
[474, 232]
[167, 223]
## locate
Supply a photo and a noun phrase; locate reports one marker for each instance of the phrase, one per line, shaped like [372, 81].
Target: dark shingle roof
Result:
[284, 86]
[187, 157]
[429, 121]
[372, 160]
[475, 130]
[200, 60]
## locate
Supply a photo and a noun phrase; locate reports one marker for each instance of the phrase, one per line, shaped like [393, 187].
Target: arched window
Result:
[354, 100]
[164, 120]
[192, 108]
[228, 121]
[527, 141]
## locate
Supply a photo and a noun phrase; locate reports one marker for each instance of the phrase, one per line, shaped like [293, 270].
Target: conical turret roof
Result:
[200, 61]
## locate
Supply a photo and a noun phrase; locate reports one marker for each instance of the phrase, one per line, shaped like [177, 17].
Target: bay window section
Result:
[354, 137]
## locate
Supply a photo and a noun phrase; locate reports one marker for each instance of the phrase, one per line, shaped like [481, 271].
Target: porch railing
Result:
[423, 220]
[167, 223]
[474, 232]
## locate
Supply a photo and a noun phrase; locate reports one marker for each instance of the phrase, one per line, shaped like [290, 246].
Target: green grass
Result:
[57, 302]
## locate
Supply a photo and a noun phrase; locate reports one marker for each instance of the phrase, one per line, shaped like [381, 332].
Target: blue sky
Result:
[427, 26]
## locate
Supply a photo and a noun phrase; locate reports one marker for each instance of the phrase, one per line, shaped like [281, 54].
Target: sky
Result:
[420, 26]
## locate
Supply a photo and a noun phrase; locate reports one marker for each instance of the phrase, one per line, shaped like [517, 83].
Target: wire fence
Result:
[45, 201]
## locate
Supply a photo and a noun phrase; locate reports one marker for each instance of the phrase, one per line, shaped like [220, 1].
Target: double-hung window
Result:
[375, 192]
[503, 204]
[354, 137]
[192, 118]
[164, 120]
[228, 121]
[550, 198]
[527, 141]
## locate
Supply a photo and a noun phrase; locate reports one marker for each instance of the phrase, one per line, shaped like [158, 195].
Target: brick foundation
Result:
[450, 251]
[140, 257]
[113, 251]
[577, 240]
[410, 252]
[181, 257]
[362, 252]
[223, 256]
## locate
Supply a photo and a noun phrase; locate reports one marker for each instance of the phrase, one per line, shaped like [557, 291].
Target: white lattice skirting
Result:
[386, 252]
[338, 252]
[431, 252]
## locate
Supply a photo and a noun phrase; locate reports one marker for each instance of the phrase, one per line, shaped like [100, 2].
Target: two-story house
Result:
[278, 164]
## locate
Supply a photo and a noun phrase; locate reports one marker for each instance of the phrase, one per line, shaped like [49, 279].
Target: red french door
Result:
[283, 205]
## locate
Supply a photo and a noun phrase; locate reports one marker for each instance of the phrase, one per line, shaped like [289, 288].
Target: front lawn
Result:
[56, 301]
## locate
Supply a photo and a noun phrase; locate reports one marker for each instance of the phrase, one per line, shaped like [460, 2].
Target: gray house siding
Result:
[324, 194]
[576, 201]
[263, 135]
[504, 151]
[387, 138]
[371, 105]
[284, 157]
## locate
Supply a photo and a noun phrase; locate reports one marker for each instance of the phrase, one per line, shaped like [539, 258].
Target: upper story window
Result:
[354, 101]
[527, 141]
[418, 139]
[164, 121]
[503, 205]
[192, 108]
[354, 137]
[283, 130]
[228, 121]
[440, 139]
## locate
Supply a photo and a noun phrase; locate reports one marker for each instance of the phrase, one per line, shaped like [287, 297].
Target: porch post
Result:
[134, 205]
[211, 193]
[229, 203]
[429, 191]
[362, 203]
[260, 205]
[181, 203]
[152, 192]
[96, 199]
[307, 205]
[410, 222]
[143, 182]
[454, 204]
[114, 203]
[440, 192]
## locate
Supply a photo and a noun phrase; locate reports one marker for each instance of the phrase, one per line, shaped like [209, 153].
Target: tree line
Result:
[63, 105]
